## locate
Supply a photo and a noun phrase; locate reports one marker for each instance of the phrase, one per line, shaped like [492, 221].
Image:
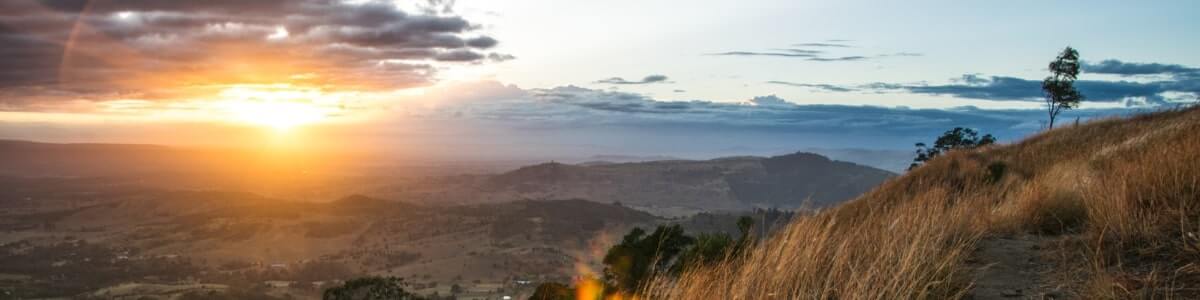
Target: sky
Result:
[509, 79]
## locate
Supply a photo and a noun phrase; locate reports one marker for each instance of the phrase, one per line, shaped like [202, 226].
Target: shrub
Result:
[995, 171]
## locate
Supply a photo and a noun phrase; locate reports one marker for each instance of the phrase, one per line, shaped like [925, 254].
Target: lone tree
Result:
[1059, 87]
[954, 139]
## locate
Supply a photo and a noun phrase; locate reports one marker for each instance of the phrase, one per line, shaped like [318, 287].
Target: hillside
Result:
[1107, 209]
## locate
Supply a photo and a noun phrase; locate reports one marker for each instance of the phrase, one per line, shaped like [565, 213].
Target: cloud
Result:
[806, 54]
[497, 57]
[822, 87]
[813, 55]
[843, 58]
[829, 45]
[1183, 86]
[482, 42]
[456, 119]
[1012, 88]
[749, 53]
[636, 121]
[645, 80]
[769, 101]
[75, 49]
[458, 55]
[1117, 67]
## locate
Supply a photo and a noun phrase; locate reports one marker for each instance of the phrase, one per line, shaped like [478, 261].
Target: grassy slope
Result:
[1121, 198]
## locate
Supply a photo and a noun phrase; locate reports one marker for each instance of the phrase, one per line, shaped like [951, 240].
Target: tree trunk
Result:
[1053, 112]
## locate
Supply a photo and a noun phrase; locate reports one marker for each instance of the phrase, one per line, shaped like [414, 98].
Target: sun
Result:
[278, 115]
[279, 107]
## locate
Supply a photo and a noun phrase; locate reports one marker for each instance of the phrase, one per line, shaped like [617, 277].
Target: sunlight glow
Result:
[281, 107]
[280, 33]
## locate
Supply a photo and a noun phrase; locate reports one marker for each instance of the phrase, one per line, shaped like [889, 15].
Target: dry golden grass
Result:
[1123, 195]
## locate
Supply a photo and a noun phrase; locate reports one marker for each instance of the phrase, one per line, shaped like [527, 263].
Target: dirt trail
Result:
[1011, 268]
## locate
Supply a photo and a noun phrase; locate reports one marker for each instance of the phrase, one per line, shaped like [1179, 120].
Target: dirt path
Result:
[1010, 268]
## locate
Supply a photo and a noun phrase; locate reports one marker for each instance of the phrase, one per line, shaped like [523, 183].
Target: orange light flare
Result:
[587, 283]
[588, 288]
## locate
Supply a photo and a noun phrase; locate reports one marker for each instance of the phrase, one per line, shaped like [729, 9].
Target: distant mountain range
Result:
[669, 187]
[662, 185]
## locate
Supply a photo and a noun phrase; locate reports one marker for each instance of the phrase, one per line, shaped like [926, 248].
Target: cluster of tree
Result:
[640, 256]
[1060, 95]
[80, 266]
[954, 139]
[370, 288]
[376, 288]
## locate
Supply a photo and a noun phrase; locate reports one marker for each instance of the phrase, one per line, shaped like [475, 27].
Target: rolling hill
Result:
[669, 188]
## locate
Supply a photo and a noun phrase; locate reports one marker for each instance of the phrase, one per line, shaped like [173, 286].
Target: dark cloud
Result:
[577, 110]
[1184, 86]
[459, 55]
[1012, 88]
[77, 49]
[645, 80]
[1117, 67]
[482, 42]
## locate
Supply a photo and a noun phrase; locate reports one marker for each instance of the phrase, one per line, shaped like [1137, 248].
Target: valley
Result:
[137, 232]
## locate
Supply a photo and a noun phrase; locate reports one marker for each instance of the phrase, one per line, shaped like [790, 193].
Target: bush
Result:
[1062, 212]
[995, 171]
